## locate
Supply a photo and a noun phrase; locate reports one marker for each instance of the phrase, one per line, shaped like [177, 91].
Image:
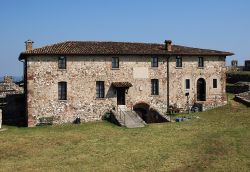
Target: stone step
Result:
[130, 119]
[133, 120]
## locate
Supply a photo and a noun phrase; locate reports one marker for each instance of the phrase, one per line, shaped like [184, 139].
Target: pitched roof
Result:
[117, 48]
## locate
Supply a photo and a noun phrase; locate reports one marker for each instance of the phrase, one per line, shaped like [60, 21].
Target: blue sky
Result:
[213, 24]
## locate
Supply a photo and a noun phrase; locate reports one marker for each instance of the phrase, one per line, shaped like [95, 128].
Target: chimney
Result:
[29, 45]
[168, 45]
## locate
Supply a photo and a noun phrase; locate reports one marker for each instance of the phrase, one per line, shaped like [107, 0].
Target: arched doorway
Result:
[142, 109]
[149, 115]
[201, 89]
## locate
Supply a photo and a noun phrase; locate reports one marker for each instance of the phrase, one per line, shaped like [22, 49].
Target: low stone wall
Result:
[243, 98]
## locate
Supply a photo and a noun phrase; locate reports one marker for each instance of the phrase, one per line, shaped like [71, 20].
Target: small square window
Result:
[62, 62]
[100, 89]
[200, 62]
[214, 83]
[187, 83]
[154, 61]
[115, 62]
[154, 86]
[178, 61]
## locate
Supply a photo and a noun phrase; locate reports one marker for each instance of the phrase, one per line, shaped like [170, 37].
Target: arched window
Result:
[201, 89]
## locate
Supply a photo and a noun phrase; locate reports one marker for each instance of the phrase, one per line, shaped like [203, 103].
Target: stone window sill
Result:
[155, 95]
[115, 68]
[200, 101]
[178, 67]
[100, 98]
[200, 67]
[62, 100]
[154, 68]
[62, 70]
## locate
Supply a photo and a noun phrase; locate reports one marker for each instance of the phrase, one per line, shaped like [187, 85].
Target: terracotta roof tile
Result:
[117, 48]
[122, 84]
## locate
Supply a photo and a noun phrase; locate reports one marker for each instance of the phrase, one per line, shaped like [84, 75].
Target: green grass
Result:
[218, 141]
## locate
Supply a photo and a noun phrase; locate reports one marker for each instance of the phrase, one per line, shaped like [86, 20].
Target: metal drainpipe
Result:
[168, 82]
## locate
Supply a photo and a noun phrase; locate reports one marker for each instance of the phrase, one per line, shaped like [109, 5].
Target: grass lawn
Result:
[218, 141]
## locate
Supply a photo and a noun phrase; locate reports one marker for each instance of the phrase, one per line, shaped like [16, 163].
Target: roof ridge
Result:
[77, 41]
[76, 47]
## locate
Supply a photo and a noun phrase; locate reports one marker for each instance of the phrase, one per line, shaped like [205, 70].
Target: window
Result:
[154, 87]
[115, 62]
[187, 83]
[154, 61]
[178, 61]
[99, 89]
[200, 62]
[62, 62]
[214, 83]
[62, 90]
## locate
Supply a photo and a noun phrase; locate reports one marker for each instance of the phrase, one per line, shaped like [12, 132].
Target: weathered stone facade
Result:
[89, 62]
[81, 76]
[214, 68]
[83, 72]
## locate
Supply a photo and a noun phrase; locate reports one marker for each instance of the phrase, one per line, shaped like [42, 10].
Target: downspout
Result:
[168, 49]
[168, 82]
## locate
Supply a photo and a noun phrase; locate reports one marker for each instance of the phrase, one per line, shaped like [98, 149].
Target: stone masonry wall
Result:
[214, 68]
[82, 73]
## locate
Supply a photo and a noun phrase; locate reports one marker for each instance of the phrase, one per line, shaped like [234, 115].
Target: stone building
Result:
[12, 102]
[86, 79]
[8, 87]
[235, 67]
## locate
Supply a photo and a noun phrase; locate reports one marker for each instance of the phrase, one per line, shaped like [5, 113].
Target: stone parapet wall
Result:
[243, 98]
